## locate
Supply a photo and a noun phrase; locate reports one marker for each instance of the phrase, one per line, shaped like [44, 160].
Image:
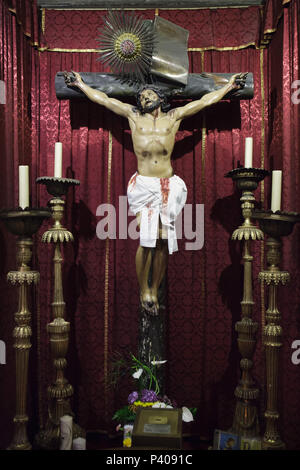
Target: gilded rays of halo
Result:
[126, 44]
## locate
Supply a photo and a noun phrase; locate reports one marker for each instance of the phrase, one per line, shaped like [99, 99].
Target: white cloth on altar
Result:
[157, 197]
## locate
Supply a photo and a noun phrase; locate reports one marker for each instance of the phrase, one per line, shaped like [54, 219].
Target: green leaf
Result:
[124, 415]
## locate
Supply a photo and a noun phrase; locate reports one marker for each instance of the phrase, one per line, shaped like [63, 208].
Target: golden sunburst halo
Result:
[126, 44]
[128, 47]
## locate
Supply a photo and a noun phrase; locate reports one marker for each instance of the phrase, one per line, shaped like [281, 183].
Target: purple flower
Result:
[132, 397]
[148, 396]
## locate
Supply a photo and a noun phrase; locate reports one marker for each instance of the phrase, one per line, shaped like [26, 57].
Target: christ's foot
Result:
[149, 303]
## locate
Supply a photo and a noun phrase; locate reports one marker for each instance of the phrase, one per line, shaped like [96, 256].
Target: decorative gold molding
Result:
[39, 361]
[262, 190]
[160, 8]
[190, 49]
[43, 22]
[106, 276]
[203, 151]
[228, 48]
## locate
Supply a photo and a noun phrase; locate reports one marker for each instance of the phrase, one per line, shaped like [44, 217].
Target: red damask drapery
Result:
[204, 286]
[18, 58]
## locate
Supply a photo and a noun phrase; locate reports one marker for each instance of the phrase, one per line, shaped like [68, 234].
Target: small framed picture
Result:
[226, 440]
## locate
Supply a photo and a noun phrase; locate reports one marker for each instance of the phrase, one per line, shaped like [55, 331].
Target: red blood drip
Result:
[165, 189]
[132, 181]
[150, 211]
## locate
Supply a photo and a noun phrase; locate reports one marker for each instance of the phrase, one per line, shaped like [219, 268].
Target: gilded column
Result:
[60, 391]
[23, 223]
[275, 225]
[245, 420]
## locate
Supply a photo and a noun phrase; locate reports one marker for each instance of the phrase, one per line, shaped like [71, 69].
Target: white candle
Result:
[79, 443]
[276, 190]
[23, 186]
[58, 160]
[248, 152]
[66, 432]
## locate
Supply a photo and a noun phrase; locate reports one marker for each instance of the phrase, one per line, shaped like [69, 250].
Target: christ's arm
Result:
[210, 98]
[114, 105]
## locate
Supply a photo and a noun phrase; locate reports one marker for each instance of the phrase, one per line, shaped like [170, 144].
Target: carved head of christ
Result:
[150, 98]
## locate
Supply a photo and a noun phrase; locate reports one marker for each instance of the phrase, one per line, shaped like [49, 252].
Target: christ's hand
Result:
[73, 80]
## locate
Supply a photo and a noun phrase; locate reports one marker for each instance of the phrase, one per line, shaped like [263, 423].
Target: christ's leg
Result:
[159, 266]
[143, 263]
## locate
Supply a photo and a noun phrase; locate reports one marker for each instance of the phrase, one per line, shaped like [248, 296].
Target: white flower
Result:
[186, 415]
[161, 404]
[157, 363]
[137, 374]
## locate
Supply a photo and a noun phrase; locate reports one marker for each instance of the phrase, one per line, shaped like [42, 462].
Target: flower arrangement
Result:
[145, 398]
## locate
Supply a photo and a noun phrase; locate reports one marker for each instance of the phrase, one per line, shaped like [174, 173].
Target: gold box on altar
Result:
[158, 427]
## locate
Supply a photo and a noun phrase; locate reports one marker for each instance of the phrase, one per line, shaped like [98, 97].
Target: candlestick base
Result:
[49, 438]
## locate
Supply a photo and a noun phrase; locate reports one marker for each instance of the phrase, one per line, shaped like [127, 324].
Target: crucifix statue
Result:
[153, 69]
[149, 62]
[155, 194]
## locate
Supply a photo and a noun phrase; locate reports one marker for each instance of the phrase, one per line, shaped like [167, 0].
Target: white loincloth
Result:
[154, 197]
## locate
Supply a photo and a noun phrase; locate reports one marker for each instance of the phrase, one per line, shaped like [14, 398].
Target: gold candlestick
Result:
[275, 225]
[245, 421]
[59, 392]
[23, 223]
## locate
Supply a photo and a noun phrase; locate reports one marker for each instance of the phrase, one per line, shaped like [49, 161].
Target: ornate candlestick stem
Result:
[24, 224]
[245, 421]
[275, 225]
[59, 392]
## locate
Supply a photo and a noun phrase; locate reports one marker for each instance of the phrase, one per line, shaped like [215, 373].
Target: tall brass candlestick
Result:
[59, 392]
[245, 421]
[23, 223]
[275, 225]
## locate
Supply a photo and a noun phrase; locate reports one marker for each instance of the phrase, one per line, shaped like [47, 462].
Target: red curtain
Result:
[18, 57]
[283, 151]
[204, 286]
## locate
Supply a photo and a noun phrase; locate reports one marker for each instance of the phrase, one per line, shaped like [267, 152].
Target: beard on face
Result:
[151, 107]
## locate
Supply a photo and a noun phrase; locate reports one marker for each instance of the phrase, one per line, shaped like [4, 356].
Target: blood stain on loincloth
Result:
[132, 182]
[150, 211]
[165, 189]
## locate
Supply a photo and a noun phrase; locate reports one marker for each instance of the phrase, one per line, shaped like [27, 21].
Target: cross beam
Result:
[116, 87]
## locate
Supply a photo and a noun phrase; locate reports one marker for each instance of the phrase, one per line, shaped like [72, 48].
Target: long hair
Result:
[165, 106]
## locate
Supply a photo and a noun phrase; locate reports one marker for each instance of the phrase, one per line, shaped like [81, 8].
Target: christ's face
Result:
[149, 100]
